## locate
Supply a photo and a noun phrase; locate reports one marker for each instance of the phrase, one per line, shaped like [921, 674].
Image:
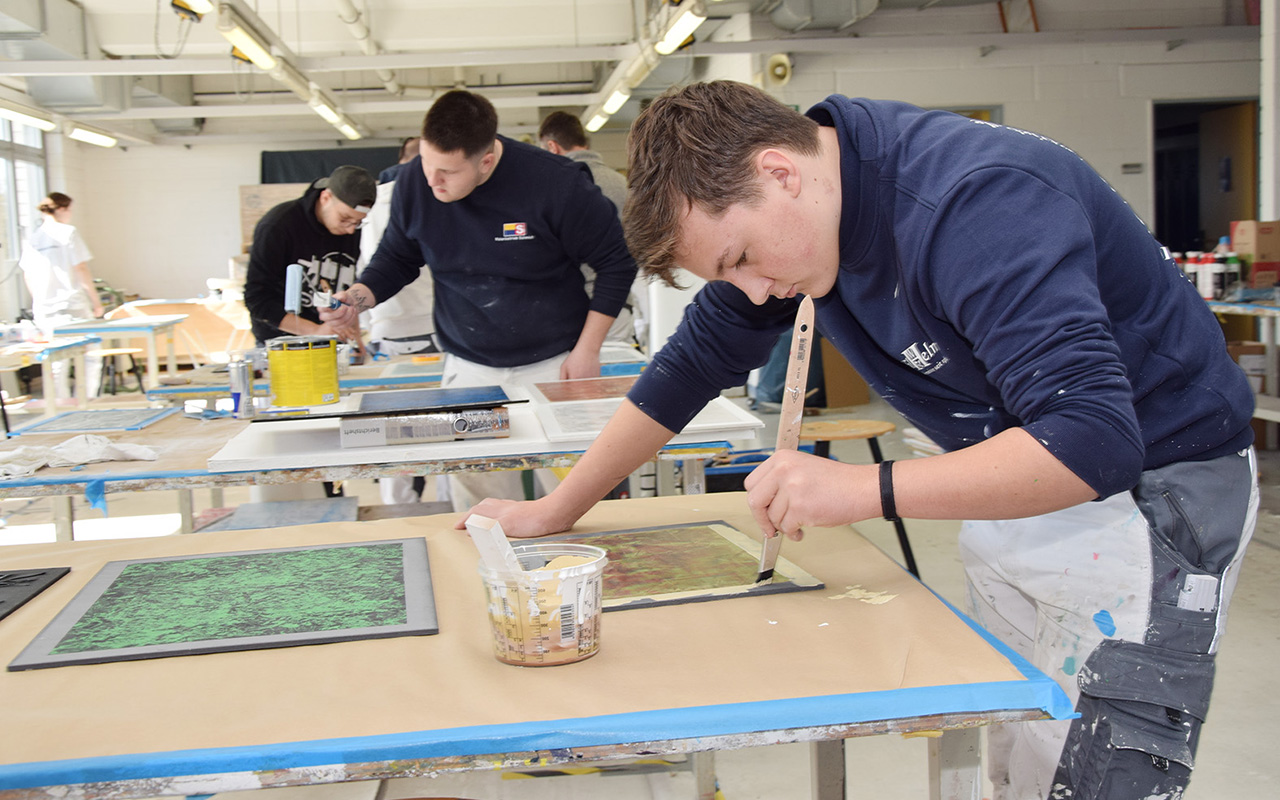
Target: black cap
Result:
[353, 186]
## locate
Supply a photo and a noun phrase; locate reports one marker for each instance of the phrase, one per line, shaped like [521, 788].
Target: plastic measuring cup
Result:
[547, 616]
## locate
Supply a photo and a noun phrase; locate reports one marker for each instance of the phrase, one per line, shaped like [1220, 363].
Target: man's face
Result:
[777, 247]
[452, 176]
[337, 217]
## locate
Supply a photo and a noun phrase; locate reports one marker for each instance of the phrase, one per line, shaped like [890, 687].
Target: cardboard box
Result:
[1251, 356]
[1264, 274]
[1256, 241]
[843, 385]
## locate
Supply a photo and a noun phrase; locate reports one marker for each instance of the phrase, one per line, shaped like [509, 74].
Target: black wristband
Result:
[887, 506]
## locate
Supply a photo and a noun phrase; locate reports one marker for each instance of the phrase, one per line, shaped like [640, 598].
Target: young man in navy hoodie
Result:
[1000, 295]
[504, 228]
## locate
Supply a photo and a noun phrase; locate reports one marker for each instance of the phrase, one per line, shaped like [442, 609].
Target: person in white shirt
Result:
[55, 267]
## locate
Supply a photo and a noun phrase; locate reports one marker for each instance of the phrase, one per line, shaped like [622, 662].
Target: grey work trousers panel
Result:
[1142, 703]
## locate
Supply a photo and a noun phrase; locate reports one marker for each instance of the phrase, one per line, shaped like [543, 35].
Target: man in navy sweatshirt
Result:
[1000, 295]
[504, 227]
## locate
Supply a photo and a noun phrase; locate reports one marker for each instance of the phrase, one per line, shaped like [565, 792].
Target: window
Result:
[22, 184]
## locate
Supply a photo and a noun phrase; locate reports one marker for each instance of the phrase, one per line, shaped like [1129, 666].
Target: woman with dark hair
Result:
[55, 266]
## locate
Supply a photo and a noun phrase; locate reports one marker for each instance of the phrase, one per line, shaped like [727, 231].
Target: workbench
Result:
[307, 451]
[815, 666]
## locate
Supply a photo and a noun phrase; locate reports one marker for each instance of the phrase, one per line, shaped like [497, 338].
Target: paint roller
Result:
[293, 292]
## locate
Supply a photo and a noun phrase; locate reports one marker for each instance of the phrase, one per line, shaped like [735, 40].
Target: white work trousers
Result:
[1055, 587]
[468, 488]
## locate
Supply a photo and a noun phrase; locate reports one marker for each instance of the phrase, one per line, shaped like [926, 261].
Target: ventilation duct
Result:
[796, 15]
[53, 30]
[167, 91]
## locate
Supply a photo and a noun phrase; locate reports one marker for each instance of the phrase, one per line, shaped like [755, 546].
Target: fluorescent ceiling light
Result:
[348, 130]
[682, 27]
[290, 77]
[30, 119]
[199, 6]
[324, 107]
[92, 137]
[597, 122]
[616, 101]
[245, 39]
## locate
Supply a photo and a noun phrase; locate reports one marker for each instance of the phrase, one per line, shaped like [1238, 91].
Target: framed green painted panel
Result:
[687, 564]
[254, 599]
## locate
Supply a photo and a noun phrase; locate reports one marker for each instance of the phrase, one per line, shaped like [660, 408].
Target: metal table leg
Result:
[955, 765]
[826, 769]
[63, 518]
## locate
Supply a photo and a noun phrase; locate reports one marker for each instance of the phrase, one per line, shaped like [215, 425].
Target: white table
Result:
[68, 348]
[130, 328]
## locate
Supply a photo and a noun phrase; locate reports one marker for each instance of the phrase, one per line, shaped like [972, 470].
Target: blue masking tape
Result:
[654, 725]
[96, 493]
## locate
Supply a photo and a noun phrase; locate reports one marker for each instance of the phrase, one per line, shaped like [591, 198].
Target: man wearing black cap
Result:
[320, 231]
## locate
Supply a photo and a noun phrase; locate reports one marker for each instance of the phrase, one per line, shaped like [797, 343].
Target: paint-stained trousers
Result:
[1123, 601]
[468, 488]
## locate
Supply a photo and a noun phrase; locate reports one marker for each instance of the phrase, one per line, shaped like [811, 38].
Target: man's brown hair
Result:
[461, 120]
[695, 146]
[408, 149]
[564, 129]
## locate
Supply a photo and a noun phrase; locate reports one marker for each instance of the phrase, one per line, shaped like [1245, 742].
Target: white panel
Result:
[1226, 79]
[941, 88]
[161, 220]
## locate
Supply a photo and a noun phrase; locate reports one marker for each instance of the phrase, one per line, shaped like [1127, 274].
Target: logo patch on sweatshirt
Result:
[919, 356]
[514, 231]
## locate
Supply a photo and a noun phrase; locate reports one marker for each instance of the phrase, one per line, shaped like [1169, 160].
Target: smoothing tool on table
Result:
[792, 417]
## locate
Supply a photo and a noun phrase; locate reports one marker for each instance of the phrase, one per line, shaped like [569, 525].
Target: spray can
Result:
[241, 375]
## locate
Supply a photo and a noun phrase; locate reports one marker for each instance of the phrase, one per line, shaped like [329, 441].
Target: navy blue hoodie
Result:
[506, 258]
[989, 279]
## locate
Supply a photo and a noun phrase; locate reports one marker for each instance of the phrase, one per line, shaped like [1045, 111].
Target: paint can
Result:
[240, 375]
[550, 613]
[304, 370]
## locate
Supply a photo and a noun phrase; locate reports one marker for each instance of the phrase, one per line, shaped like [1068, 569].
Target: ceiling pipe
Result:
[352, 18]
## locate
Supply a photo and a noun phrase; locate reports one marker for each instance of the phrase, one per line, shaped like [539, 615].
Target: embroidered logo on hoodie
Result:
[514, 232]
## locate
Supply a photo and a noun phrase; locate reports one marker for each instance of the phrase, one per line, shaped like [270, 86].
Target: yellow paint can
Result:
[303, 369]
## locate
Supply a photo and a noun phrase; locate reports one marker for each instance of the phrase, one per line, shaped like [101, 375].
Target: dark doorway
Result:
[1205, 171]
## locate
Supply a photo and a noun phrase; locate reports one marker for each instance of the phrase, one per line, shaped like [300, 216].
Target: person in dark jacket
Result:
[321, 231]
[1003, 298]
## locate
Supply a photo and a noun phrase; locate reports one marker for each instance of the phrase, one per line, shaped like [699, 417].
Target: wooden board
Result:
[686, 564]
[220, 602]
[258, 200]
[585, 388]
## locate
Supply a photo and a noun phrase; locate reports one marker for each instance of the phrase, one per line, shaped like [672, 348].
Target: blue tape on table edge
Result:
[17, 483]
[1037, 691]
[13, 483]
[35, 427]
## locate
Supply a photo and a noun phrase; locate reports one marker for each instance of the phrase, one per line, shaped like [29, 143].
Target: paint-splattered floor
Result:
[1236, 757]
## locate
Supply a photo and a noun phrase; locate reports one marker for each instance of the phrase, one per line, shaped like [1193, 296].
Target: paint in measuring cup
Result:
[550, 613]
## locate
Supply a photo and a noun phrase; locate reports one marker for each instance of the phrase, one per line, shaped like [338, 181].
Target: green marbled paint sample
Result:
[245, 594]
